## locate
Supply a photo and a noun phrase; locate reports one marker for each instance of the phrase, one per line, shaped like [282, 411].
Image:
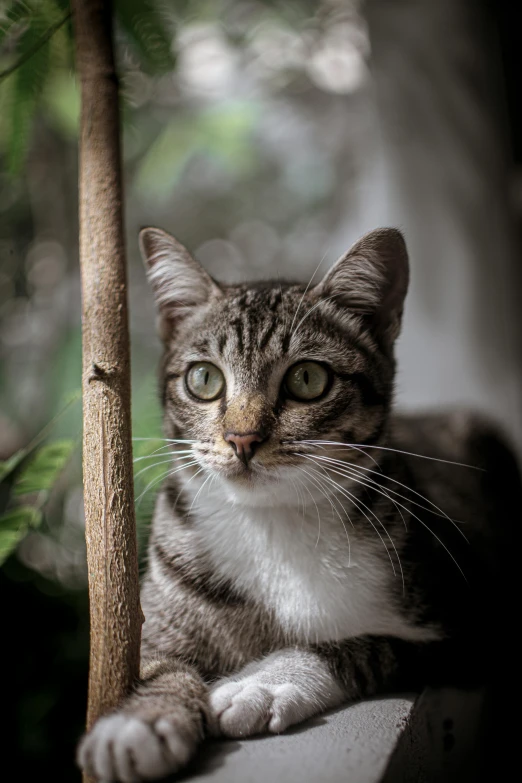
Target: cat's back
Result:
[466, 466]
[466, 559]
[460, 436]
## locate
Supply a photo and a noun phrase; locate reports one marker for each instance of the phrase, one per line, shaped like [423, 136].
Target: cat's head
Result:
[251, 371]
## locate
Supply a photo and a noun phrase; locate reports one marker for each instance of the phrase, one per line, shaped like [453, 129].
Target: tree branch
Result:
[107, 451]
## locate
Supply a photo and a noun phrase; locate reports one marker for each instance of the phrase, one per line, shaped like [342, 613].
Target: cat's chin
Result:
[268, 488]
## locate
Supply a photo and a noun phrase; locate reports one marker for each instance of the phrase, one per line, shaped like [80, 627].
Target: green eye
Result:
[205, 381]
[306, 380]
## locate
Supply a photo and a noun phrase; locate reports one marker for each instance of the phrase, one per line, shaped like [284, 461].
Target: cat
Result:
[308, 547]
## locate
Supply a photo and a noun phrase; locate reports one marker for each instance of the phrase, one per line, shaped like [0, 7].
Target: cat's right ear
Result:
[178, 281]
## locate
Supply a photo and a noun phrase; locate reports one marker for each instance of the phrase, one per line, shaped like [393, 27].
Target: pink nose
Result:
[244, 445]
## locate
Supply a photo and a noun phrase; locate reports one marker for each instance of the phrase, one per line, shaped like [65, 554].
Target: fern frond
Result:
[147, 33]
[34, 25]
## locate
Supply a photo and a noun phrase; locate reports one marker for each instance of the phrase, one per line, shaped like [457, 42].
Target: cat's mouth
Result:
[261, 470]
[239, 471]
[267, 465]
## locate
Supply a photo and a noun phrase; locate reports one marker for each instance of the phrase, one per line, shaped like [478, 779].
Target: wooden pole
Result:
[115, 611]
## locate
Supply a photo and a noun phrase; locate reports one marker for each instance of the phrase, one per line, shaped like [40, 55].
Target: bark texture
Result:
[107, 451]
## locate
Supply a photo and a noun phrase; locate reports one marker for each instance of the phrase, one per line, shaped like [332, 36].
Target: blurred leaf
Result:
[147, 33]
[72, 397]
[28, 80]
[11, 468]
[33, 469]
[14, 525]
[165, 159]
[12, 18]
[62, 43]
[42, 16]
[62, 102]
[10, 465]
[43, 471]
[224, 134]
[29, 74]
[62, 380]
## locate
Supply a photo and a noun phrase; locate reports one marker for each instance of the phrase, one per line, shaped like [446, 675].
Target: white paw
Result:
[124, 748]
[244, 707]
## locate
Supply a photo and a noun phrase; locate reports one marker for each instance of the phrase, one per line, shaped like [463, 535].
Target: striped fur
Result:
[278, 589]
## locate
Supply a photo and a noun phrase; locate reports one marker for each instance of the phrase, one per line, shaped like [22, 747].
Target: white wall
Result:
[435, 165]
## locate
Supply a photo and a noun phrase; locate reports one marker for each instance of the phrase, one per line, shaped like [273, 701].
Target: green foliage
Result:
[224, 134]
[14, 525]
[29, 31]
[62, 103]
[13, 18]
[145, 32]
[9, 466]
[36, 60]
[30, 475]
[44, 469]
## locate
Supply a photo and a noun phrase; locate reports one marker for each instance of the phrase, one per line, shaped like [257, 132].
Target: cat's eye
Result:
[307, 381]
[205, 381]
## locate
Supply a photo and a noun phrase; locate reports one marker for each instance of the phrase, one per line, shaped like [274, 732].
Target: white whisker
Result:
[426, 527]
[164, 476]
[354, 476]
[306, 290]
[324, 491]
[192, 477]
[352, 467]
[283, 308]
[317, 510]
[161, 448]
[320, 302]
[169, 440]
[300, 508]
[323, 443]
[361, 446]
[198, 492]
[164, 461]
[357, 502]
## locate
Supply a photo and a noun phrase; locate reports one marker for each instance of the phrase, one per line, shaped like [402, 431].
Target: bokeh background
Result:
[277, 133]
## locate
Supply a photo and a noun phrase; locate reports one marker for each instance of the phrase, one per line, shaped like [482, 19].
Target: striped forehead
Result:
[254, 328]
[252, 332]
[253, 323]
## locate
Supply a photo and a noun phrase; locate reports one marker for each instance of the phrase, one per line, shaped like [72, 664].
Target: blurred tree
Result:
[107, 446]
[31, 29]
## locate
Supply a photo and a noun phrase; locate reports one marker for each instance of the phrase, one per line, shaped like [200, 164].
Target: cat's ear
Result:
[179, 282]
[371, 279]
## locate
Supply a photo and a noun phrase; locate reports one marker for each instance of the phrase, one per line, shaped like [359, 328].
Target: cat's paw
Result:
[244, 707]
[123, 747]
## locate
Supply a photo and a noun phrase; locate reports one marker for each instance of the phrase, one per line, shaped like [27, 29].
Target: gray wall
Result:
[436, 164]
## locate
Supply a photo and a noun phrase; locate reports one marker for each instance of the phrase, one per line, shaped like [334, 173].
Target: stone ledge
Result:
[353, 743]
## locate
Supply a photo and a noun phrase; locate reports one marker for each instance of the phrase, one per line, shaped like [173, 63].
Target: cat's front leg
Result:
[272, 694]
[293, 684]
[154, 732]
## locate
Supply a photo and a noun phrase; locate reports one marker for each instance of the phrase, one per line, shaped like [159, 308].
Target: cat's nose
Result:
[244, 445]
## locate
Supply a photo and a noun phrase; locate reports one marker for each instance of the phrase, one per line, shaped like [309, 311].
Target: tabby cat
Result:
[307, 548]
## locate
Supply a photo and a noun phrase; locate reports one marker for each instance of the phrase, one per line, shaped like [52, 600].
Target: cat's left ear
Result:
[179, 281]
[371, 280]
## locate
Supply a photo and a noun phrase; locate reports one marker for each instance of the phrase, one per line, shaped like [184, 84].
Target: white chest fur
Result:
[322, 581]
